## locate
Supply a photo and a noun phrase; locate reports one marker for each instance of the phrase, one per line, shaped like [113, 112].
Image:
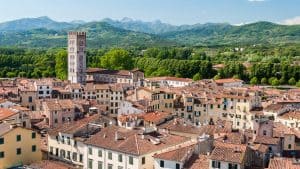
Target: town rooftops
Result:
[6, 113]
[267, 140]
[156, 117]
[132, 141]
[74, 127]
[110, 72]
[230, 80]
[47, 164]
[281, 162]
[179, 155]
[234, 153]
[55, 104]
[197, 162]
[169, 78]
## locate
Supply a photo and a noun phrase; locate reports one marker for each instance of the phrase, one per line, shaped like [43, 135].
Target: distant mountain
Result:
[100, 34]
[224, 34]
[44, 32]
[34, 23]
[155, 27]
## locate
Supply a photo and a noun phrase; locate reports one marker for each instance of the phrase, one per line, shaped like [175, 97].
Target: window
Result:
[81, 158]
[33, 148]
[216, 164]
[177, 166]
[162, 164]
[90, 164]
[1, 141]
[74, 156]
[2, 154]
[100, 165]
[68, 155]
[90, 151]
[29, 99]
[18, 137]
[120, 158]
[33, 135]
[143, 160]
[120, 167]
[232, 166]
[264, 132]
[19, 151]
[130, 160]
[289, 146]
[109, 166]
[99, 153]
[110, 155]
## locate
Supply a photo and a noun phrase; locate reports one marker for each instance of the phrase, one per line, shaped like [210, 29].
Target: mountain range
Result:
[45, 32]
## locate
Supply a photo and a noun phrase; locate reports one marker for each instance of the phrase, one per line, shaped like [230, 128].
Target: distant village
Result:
[118, 119]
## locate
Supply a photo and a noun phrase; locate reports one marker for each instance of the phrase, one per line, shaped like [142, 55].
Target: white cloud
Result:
[292, 21]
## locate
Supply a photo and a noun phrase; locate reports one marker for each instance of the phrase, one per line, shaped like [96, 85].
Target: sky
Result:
[175, 12]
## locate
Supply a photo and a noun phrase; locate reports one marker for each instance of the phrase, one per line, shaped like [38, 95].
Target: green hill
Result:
[100, 34]
[225, 34]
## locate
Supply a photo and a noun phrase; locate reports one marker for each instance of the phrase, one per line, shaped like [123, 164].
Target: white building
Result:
[168, 81]
[119, 148]
[66, 143]
[128, 107]
[43, 88]
[77, 57]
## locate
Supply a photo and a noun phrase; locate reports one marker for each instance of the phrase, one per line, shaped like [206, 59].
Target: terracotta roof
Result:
[129, 141]
[55, 104]
[47, 164]
[230, 80]
[234, 153]
[156, 117]
[179, 155]
[291, 115]
[179, 125]
[260, 148]
[197, 162]
[231, 137]
[6, 113]
[267, 140]
[72, 127]
[169, 78]
[281, 162]
[109, 72]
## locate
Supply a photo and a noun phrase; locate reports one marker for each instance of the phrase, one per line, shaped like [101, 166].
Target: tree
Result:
[117, 59]
[217, 77]
[196, 77]
[292, 81]
[264, 80]
[298, 84]
[275, 82]
[61, 65]
[254, 81]
[11, 74]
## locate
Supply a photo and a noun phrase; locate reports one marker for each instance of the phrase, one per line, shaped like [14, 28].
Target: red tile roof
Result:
[283, 163]
[6, 113]
[179, 155]
[234, 153]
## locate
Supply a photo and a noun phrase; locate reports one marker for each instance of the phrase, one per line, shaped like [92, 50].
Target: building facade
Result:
[77, 57]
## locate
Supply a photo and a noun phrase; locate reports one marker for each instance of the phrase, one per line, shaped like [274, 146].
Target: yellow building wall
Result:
[10, 148]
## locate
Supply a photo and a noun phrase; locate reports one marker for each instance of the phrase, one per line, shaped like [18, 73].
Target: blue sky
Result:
[169, 11]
